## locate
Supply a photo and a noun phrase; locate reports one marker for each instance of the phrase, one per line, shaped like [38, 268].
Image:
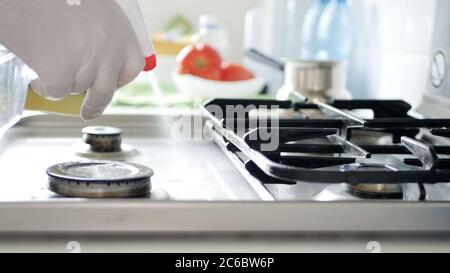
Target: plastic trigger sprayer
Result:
[133, 11]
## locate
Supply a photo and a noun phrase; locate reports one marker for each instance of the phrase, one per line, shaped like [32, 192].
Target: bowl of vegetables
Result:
[202, 73]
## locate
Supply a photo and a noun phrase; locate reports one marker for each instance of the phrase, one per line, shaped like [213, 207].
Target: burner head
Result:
[100, 179]
[373, 191]
[376, 191]
[103, 139]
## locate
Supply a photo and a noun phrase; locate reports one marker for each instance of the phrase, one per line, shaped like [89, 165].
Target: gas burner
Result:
[102, 142]
[373, 191]
[376, 191]
[341, 192]
[103, 139]
[100, 179]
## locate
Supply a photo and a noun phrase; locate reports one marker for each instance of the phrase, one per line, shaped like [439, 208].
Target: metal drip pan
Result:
[100, 179]
[84, 150]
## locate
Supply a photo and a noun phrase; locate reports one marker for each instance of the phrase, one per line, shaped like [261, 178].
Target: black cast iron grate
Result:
[323, 149]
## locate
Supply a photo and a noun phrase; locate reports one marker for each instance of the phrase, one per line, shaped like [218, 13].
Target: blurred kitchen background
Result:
[230, 13]
[390, 57]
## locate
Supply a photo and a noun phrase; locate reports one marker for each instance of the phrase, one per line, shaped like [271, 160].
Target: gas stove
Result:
[350, 150]
[335, 171]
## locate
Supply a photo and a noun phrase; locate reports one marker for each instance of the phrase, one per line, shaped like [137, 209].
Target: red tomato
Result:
[200, 60]
[235, 72]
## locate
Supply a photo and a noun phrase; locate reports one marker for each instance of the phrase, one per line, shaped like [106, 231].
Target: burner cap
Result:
[102, 131]
[103, 139]
[100, 179]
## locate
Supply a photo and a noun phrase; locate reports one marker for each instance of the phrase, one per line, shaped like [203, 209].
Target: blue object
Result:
[328, 33]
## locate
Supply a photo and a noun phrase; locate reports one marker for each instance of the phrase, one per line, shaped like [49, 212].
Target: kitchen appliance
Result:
[363, 177]
[346, 175]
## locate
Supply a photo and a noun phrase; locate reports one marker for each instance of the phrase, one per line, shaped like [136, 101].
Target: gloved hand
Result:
[73, 48]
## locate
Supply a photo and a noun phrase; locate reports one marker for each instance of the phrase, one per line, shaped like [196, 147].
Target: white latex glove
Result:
[73, 48]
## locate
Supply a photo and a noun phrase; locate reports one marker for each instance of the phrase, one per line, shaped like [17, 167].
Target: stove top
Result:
[362, 149]
[197, 187]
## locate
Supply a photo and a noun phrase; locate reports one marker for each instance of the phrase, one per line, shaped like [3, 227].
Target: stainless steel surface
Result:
[203, 190]
[257, 186]
[145, 216]
[84, 150]
[259, 243]
[187, 169]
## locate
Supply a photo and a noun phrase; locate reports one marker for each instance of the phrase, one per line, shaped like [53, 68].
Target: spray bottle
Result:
[71, 105]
